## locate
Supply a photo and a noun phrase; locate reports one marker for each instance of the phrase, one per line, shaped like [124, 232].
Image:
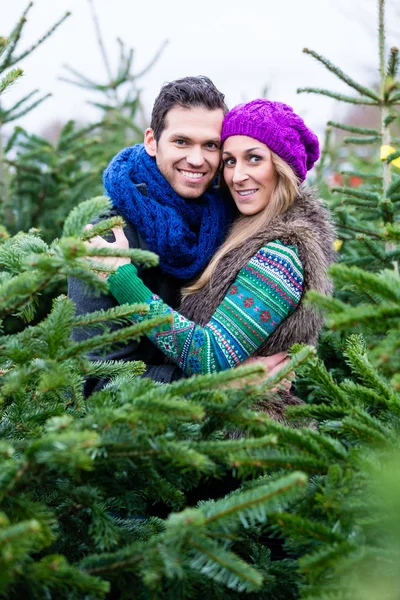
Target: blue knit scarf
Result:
[184, 233]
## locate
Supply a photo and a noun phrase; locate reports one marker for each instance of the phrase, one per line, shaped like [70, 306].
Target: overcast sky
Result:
[243, 45]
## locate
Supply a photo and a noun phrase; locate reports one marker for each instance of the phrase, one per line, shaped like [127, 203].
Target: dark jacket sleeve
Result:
[88, 300]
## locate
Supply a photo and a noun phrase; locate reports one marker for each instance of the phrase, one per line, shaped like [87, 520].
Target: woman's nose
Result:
[239, 174]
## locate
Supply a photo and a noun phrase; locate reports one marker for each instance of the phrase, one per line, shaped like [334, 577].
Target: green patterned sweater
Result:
[266, 290]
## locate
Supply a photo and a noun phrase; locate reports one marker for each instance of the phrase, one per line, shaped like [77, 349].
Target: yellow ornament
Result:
[385, 151]
[337, 244]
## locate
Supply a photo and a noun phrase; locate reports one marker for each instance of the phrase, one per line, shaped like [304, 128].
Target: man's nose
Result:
[195, 156]
[239, 174]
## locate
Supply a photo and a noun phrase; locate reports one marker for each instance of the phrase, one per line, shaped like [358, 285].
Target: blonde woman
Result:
[248, 302]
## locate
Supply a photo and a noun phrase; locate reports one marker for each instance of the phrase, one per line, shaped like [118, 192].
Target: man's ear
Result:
[150, 143]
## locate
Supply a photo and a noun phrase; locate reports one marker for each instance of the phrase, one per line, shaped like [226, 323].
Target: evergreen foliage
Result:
[146, 490]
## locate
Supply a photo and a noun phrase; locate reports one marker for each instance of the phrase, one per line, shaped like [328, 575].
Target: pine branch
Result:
[393, 62]
[307, 440]
[223, 566]
[10, 78]
[391, 157]
[379, 284]
[84, 213]
[20, 290]
[370, 315]
[117, 314]
[367, 176]
[11, 115]
[357, 358]
[366, 429]
[370, 206]
[85, 83]
[315, 563]
[210, 381]
[376, 249]
[294, 525]
[352, 129]
[320, 412]
[53, 573]
[395, 99]
[392, 232]
[13, 40]
[339, 73]
[367, 232]
[20, 102]
[361, 141]
[152, 61]
[100, 39]
[134, 332]
[40, 41]
[280, 459]
[127, 557]
[364, 195]
[394, 187]
[252, 506]
[337, 96]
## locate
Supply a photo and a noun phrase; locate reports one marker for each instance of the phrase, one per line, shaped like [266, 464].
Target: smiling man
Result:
[167, 192]
[187, 150]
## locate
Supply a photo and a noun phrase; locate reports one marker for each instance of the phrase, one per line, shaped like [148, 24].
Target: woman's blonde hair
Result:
[246, 227]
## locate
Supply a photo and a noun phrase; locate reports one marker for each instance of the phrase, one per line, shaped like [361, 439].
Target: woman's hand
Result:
[273, 364]
[111, 262]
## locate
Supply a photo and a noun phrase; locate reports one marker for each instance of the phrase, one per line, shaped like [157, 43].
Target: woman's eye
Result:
[228, 162]
[254, 158]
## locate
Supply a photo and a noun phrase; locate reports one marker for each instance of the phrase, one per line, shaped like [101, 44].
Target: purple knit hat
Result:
[276, 125]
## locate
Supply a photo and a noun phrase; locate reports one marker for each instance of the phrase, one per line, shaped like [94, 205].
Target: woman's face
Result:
[248, 172]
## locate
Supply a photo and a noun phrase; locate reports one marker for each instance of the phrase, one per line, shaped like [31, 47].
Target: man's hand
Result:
[111, 262]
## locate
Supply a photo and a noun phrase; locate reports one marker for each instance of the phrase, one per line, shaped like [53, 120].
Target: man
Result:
[167, 193]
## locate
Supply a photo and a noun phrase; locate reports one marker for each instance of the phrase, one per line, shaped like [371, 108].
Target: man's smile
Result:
[193, 175]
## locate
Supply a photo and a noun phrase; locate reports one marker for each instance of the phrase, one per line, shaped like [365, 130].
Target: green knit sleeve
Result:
[265, 292]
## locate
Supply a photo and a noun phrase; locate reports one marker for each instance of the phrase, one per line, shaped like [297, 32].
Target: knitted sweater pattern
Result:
[184, 233]
[266, 290]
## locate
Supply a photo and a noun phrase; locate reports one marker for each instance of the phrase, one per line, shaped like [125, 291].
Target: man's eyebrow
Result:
[188, 139]
[179, 135]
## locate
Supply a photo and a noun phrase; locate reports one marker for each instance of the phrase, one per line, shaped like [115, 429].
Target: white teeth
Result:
[192, 175]
[246, 192]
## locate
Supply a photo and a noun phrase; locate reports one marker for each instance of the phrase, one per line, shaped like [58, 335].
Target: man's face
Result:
[188, 151]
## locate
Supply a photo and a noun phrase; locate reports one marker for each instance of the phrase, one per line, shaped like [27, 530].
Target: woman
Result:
[249, 300]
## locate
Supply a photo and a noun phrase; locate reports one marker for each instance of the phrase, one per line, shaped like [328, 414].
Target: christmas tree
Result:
[140, 490]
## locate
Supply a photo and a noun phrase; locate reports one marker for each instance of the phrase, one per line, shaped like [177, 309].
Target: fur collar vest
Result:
[307, 225]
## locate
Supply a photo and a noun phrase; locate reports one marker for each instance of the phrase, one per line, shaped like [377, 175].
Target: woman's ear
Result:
[150, 143]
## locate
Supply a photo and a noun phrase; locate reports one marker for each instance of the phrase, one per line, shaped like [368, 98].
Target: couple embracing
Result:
[220, 196]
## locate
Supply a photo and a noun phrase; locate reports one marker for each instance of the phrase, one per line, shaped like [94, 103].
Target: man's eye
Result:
[212, 145]
[180, 142]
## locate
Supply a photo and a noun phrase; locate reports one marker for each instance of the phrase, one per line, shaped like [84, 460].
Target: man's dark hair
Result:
[185, 92]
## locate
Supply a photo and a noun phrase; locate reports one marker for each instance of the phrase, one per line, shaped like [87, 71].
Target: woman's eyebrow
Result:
[252, 149]
[244, 151]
